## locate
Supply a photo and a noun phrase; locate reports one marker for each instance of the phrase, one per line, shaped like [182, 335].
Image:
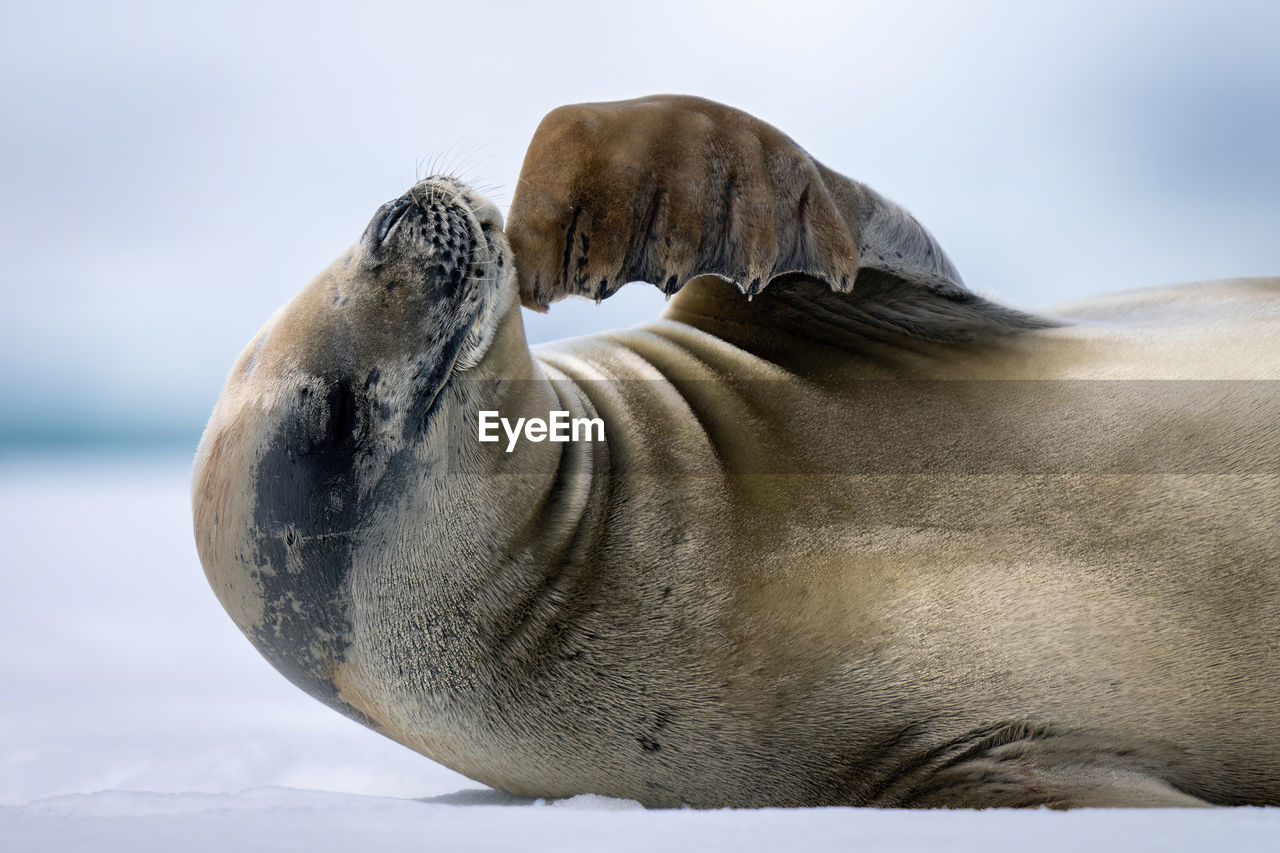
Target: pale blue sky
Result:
[174, 172]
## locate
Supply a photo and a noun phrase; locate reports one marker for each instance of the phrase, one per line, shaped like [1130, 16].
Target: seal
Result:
[853, 535]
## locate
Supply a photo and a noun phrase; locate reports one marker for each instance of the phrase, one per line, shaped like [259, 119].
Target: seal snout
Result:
[439, 213]
[429, 279]
[439, 230]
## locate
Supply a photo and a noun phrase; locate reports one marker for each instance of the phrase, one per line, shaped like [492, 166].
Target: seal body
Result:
[822, 557]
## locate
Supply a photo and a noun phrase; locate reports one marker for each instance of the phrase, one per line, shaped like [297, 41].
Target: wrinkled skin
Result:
[862, 539]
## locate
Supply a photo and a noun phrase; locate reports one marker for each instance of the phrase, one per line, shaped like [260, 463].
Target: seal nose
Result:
[387, 218]
[431, 228]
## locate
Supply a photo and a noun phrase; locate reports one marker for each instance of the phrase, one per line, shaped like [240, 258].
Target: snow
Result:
[134, 716]
[285, 819]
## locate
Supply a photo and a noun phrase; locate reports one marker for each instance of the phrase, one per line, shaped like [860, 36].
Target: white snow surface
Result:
[134, 716]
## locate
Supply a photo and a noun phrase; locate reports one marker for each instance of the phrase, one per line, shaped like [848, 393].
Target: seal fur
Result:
[864, 538]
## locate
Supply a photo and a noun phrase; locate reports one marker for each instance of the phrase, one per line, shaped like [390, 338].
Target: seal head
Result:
[327, 411]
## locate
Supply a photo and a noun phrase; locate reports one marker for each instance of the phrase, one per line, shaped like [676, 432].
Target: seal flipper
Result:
[1019, 765]
[982, 785]
[668, 188]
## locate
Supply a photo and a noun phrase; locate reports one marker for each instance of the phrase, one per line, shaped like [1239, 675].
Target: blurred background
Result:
[172, 173]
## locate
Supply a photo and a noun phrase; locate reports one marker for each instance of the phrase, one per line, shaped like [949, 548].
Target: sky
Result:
[173, 173]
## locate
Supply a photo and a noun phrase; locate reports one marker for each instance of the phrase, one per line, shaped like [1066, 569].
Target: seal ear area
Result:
[667, 188]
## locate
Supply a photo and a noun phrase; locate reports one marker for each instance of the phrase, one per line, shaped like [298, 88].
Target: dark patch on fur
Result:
[311, 506]
[718, 250]
[639, 264]
[433, 376]
[305, 516]
[568, 242]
